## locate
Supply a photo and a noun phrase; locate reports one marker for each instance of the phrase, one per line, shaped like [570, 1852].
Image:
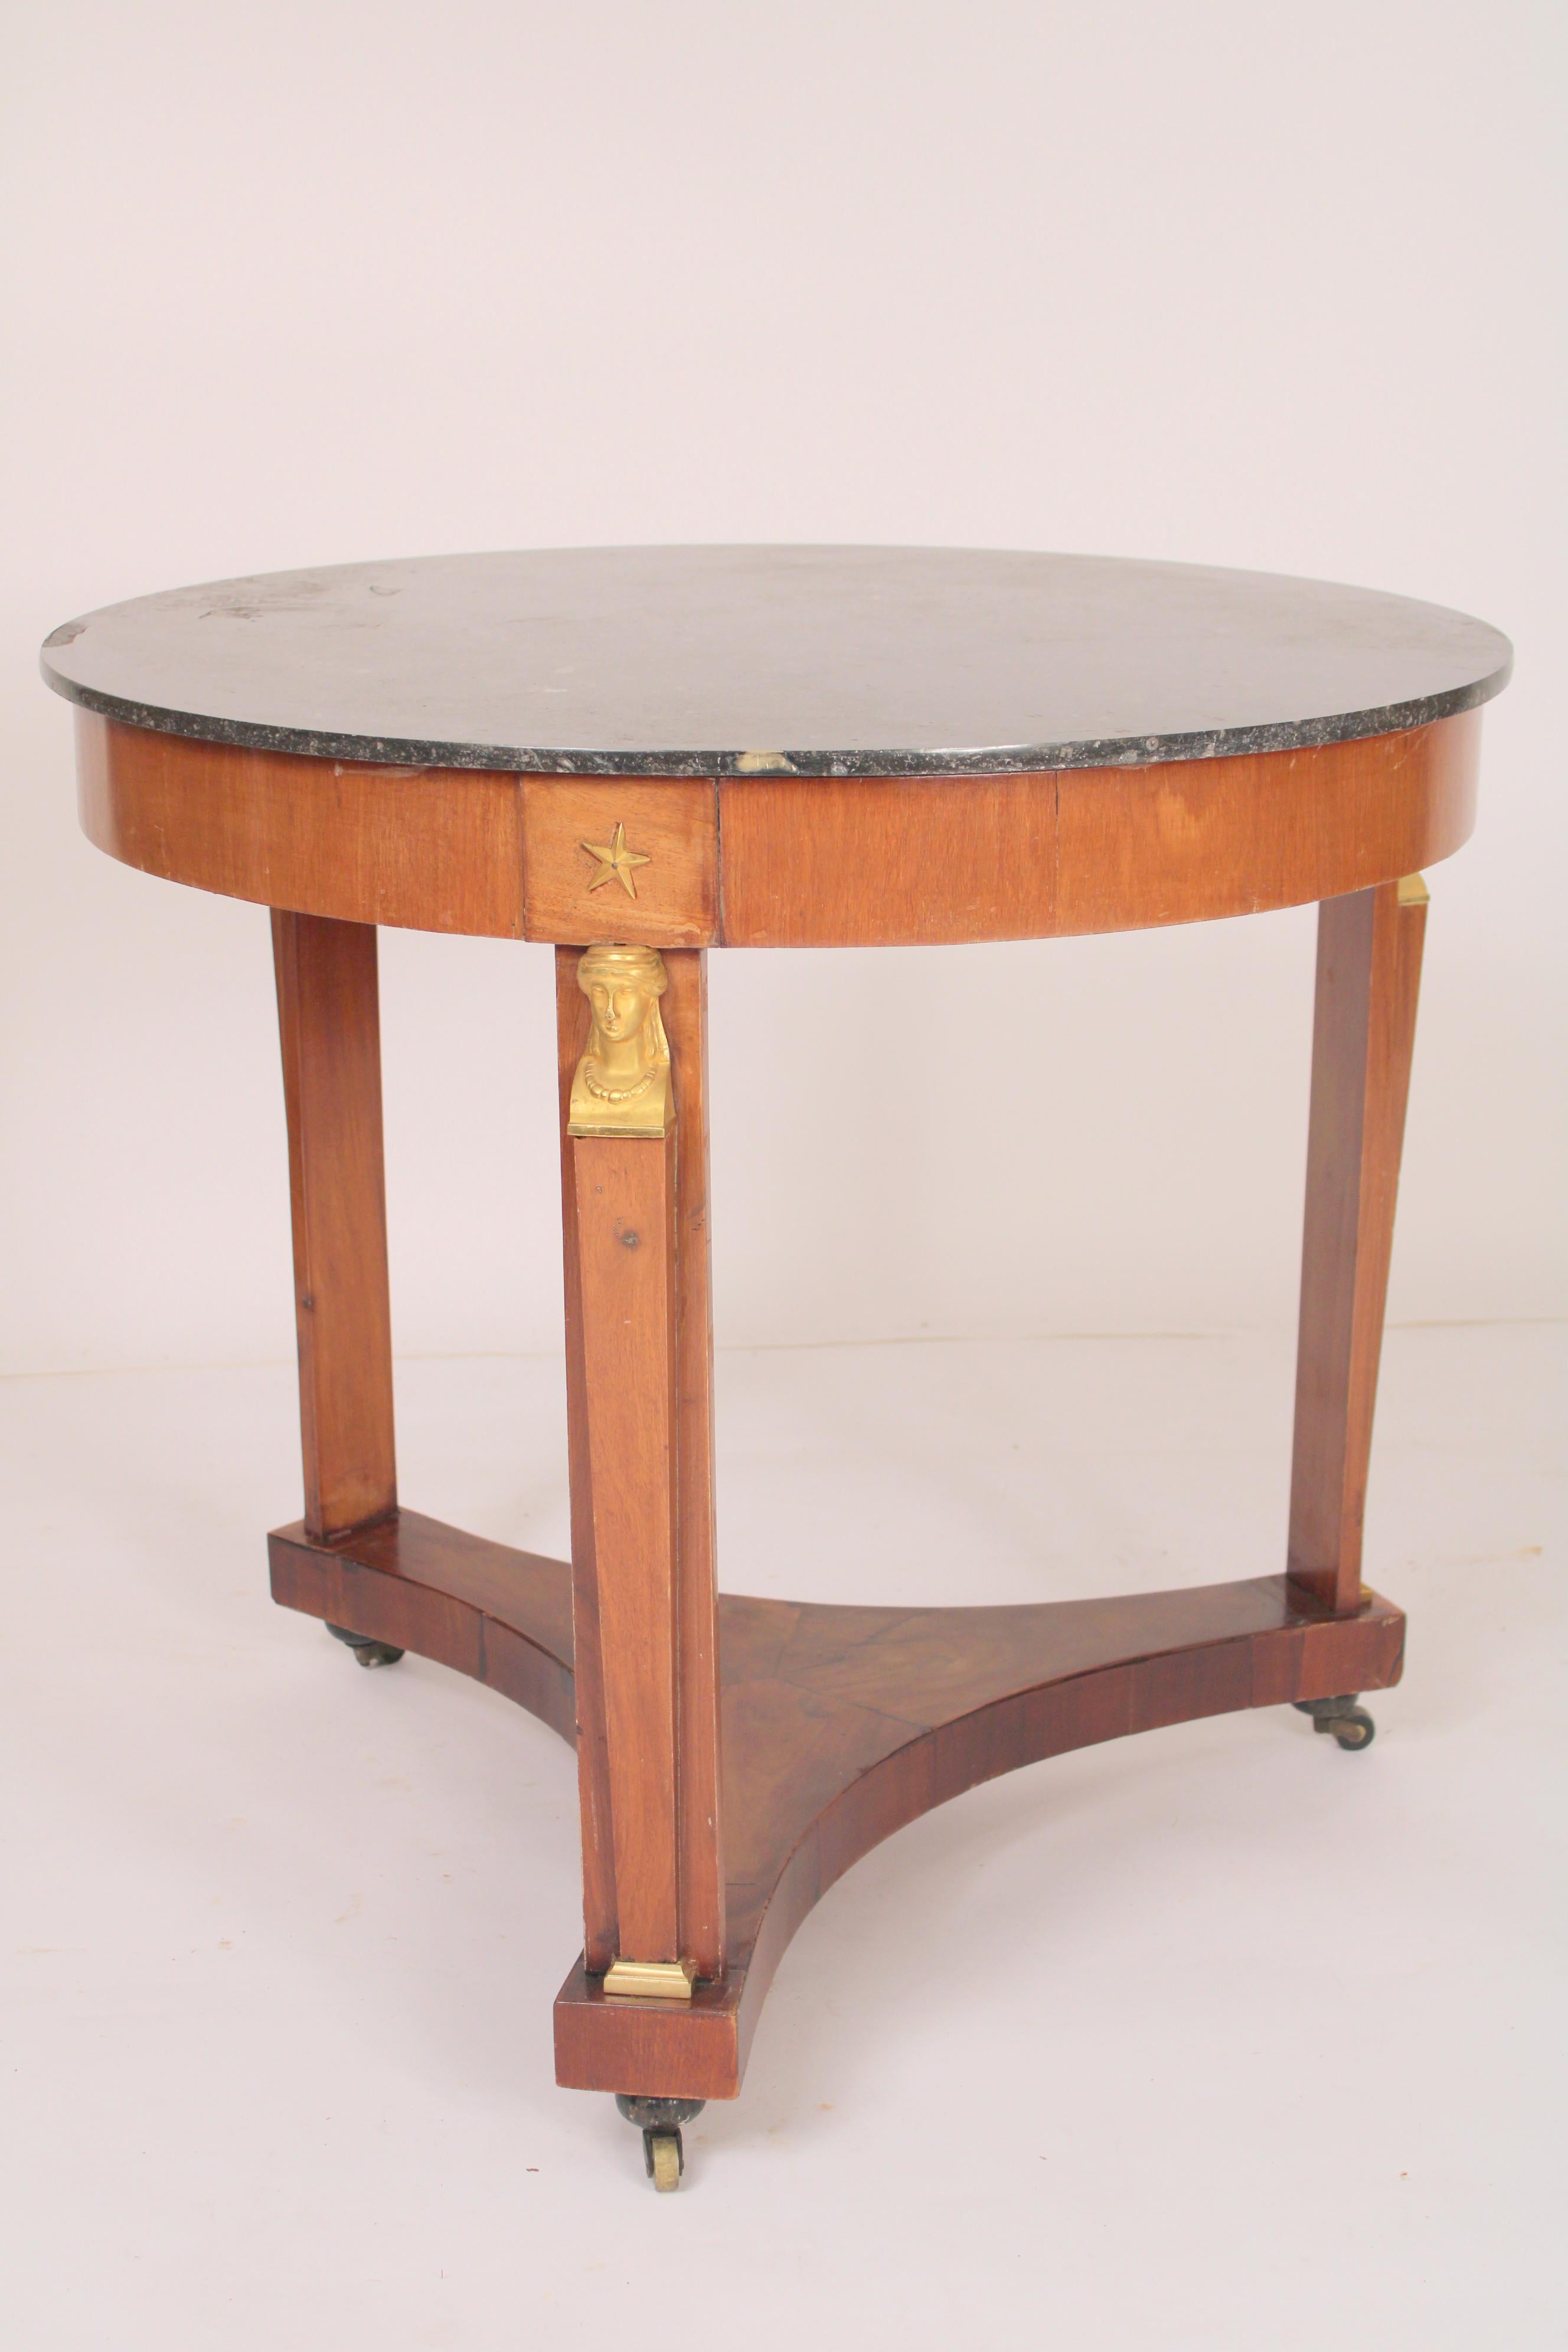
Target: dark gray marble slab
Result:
[685, 661]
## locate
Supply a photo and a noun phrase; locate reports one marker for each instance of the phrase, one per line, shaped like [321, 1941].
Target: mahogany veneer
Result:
[841, 1724]
[786, 862]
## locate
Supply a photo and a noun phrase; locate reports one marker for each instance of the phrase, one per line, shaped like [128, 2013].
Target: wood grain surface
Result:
[422, 849]
[329, 1022]
[789, 861]
[872, 862]
[700, 1810]
[673, 824]
[842, 1724]
[625, 1256]
[886, 861]
[1369, 978]
[600, 1937]
[1201, 838]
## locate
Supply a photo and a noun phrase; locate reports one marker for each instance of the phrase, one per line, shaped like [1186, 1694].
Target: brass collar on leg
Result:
[649, 1979]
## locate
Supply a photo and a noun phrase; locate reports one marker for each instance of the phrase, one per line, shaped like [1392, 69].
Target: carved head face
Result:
[620, 983]
[619, 1009]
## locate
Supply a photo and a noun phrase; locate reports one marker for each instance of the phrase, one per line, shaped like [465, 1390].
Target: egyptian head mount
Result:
[622, 1083]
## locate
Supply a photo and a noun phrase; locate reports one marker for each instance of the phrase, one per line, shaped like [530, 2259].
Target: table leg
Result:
[1369, 973]
[638, 1335]
[329, 1024]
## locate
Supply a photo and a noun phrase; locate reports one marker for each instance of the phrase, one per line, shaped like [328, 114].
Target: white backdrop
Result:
[1229, 284]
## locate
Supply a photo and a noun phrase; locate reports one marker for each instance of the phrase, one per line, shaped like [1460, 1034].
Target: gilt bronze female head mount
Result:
[622, 1083]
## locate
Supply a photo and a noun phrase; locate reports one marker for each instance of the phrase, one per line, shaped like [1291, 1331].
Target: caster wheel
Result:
[659, 2122]
[366, 1652]
[665, 2160]
[1342, 1718]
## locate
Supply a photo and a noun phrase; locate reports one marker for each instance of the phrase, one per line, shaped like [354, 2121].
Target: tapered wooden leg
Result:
[626, 1257]
[329, 1024]
[641, 1432]
[1369, 973]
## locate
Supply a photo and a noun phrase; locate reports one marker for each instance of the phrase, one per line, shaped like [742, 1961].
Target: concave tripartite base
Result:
[841, 1726]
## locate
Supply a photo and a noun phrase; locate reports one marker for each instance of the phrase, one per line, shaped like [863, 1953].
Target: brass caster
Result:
[366, 1652]
[659, 2122]
[1345, 1721]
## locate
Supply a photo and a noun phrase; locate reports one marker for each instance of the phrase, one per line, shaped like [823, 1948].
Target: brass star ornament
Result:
[616, 861]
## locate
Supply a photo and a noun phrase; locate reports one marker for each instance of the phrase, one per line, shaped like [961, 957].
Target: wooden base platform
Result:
[840, 1725]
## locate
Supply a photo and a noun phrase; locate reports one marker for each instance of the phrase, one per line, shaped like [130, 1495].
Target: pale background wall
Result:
[1264, 286]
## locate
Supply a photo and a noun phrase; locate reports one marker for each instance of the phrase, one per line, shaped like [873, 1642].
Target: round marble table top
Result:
[699, 661]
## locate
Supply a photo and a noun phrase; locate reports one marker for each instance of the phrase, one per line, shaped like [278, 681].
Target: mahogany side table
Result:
[639, 754]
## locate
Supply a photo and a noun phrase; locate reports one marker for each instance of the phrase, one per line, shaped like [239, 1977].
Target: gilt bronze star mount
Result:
[616, 861]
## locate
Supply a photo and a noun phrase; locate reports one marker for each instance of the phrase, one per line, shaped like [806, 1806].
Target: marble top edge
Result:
[636, 648]
[981, 760]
